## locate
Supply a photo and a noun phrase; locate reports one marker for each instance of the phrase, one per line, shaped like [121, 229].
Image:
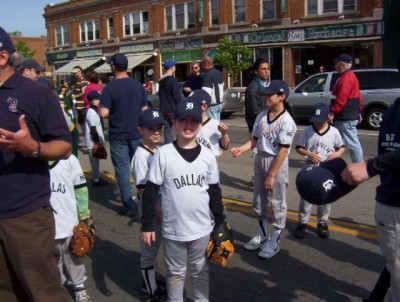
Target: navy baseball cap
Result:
[323, 184]
[150, 118]
[5, 42]
[200, 96]
[119, 60]
[344, 57]
[169, 63]
[321, 113]
[93, 95]
[31, 63]
[188, 107]
[276, 87]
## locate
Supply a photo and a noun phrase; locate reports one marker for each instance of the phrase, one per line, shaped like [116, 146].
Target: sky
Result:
[25, 16]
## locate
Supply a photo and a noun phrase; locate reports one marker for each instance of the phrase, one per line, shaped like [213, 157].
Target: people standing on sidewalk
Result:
[346, 106]
[122, 101]
[194, 81]
[273, 134]
[77, 98]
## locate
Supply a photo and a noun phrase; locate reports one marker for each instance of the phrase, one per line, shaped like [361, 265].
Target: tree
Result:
[233, 56]
[24, 49]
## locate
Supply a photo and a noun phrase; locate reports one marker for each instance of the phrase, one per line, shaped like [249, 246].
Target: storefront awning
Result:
[133, 61]
[82, 63]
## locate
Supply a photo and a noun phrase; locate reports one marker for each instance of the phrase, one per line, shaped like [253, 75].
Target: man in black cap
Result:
[30, 68]
[122, 101]
[30, 135]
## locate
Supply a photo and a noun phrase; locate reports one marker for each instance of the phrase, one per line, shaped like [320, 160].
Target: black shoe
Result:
[99, 183]
[323, 230]
[160, 284]
[300, 230]
[160, 296]
[122, 212]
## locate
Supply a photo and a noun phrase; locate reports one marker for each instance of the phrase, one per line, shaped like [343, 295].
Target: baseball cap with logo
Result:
[169, 63]
[344, 57]
[31, 63]
[150, 118]
[188, 107]
[323, 184]
[5, 42]
[200, 96]
[119, 60]
[93, 95]
[276, 87]
[321, 113]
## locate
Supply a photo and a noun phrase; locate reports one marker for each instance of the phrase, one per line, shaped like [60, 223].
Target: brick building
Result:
[297, 36]
[39, 45]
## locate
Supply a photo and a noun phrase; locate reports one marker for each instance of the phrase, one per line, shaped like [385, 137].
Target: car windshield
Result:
[314, 84]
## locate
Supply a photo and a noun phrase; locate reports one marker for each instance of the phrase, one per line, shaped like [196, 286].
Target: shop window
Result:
[214, 9]
[62, 35]
[268, 9]
[319, 7]
[240, 11]
[90, 31]
[136, 23]
[180, 16]
[110, 26]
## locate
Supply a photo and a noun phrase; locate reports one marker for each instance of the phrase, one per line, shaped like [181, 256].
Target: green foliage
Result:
[233, 56]
[24, 49]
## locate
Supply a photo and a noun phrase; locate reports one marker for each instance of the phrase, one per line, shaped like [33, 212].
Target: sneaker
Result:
[269, 249]
[101, 182]
[82, 296]
[160, 296]
[300, 230]
[160, 284]
[255, 243]
[323, 230]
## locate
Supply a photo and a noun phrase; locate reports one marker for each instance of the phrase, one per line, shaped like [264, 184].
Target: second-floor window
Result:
[110, 26]
[180, 16]
[62, 35]
[90, 31]
[136, 23]
[268, 9]
[214, 5]
[240, 11]
[319, 7]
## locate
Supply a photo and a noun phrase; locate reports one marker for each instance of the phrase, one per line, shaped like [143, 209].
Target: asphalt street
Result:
[341, 268]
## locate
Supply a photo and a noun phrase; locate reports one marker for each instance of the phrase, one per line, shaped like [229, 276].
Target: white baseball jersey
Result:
[271, 134]
[321, 143]
[184, 185]
[65, 175]
[92, 120]
[209, 136]
[140, 165]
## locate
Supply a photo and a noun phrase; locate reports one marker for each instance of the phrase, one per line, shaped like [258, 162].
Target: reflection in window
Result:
[214, 12]
[90, 31]
[240, 11]
[62, 35]
[180, 16]
[136, 23]
[268, 9]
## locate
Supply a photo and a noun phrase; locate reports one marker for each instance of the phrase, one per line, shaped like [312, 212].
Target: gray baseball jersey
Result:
[92, 120]
[209, 136]
[271, 134]
[140, 165]
[183, 186]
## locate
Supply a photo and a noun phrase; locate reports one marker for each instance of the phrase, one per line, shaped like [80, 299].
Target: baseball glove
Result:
[83, 238]
[99, 151]
[221, 245]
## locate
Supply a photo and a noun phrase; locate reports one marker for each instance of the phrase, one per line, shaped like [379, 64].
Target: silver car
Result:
[379, 88]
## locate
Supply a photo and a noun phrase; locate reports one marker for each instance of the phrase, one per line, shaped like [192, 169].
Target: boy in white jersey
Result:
[70, 203]
[187, 176]
[273, 133]
[317, 143]
[151, 124]
[94, 134]
[214, 134]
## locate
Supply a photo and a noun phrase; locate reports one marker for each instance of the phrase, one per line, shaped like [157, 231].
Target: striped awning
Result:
[133, 61]
[82, 63]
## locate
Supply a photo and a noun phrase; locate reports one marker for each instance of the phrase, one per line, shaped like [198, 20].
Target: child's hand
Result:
[269, 182]
[235, 152]
[333, 155]
[148, 237]
[223, 128]
[314, 157]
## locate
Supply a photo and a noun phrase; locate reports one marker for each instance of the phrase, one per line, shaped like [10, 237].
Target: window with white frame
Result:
[268, 9]
[90, 31]
[214, 10]
[180, 16]
[62, 35]
[319, 7]
[136, 23]
[240, 11]
[110, 26]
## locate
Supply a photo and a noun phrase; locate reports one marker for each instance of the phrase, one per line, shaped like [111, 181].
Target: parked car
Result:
[379, 88]
[232, 101]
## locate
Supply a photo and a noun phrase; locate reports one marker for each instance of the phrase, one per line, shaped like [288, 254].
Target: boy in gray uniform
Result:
[187, 175]
[273, 133]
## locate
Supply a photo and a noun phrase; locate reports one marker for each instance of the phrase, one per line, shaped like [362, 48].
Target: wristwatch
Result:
[35, 154]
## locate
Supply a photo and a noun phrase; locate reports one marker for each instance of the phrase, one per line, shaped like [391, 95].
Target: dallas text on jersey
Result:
[189, 180]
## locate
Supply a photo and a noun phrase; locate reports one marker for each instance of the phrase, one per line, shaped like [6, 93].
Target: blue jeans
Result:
[168, 137]
[348, 130]
[214, 112]
[122, 152]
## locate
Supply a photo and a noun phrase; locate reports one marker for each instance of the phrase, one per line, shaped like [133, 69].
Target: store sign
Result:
[89, 53]
[267, 36]
[296, 35]
[60, 56]
[181, 44]
[344, 31]
[183, 55]
[137, 48]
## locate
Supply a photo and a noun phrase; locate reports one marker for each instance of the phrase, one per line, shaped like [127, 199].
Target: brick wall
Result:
[37, 44]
